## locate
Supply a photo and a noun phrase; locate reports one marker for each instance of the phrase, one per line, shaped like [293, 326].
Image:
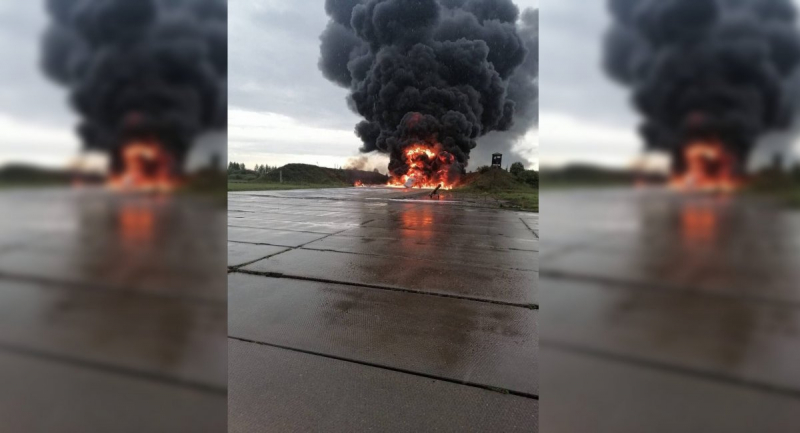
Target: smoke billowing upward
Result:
[151, 69]
[370, 162]
[524, 91]
[437, 73]
[714, 69]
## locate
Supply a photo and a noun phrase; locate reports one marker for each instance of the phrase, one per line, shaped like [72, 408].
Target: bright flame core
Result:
[146, 166]
[427, 168]
[709, 167]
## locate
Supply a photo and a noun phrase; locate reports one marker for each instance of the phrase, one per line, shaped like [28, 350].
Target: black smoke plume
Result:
[151, 69]
[425, 71]
[705, 69]
[523, 89]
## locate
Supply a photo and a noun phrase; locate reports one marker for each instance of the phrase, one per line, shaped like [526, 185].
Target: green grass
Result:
[783, 187]
[788, 196]
[275, 186]
[301, 176]
[32, 184]
[793, 198]
[523, 200]
[29, 176]
[499, 188]
[585, 175]
[494, 187]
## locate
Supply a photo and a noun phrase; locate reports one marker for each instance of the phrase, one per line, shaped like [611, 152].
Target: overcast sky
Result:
[584, 116]
[282, 109]
[35, 123]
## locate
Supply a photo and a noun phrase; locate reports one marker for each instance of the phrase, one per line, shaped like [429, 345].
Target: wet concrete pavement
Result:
[374, 309]
[674, 312]
[112, 312]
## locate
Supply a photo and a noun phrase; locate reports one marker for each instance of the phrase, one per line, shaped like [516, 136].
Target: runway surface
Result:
[378, 309]
[112, 312]
[666, 312]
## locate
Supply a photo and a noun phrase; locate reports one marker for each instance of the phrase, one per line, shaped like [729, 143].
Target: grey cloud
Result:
[273, 63]
[571, 74]
[25, 93]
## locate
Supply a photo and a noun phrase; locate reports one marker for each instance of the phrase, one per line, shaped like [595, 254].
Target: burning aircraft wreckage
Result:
[709, 77]
[147, 77]
[429, 78]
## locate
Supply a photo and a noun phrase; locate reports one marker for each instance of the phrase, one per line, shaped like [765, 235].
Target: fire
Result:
[146, 166]
[427, 168]
[358, 183]
[709, 167]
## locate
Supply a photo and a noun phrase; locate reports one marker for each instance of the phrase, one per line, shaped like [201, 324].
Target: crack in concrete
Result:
[529, 228]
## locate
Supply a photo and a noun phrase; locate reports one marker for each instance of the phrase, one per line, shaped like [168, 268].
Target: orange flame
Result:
[146, 167]
[358, 183]
[709, 167]
[427, 168]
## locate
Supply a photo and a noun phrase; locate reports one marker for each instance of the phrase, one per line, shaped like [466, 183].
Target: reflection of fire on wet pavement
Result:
[380, 309]
[112, 308]
[660, 303]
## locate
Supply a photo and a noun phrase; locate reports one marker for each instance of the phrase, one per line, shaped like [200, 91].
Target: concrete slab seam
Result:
[114, 369]
[72, 285]
[390, 368]
[664, 366]
[612, 283]
[389, 288]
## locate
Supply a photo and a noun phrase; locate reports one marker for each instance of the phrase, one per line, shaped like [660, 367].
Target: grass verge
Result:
[524, 199]
[32, 184]
[499, 188]
[780, 186]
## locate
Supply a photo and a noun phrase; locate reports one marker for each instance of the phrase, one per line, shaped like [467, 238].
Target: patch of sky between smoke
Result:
[527, 147]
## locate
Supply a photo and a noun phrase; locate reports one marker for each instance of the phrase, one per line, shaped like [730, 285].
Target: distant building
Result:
[497, 160]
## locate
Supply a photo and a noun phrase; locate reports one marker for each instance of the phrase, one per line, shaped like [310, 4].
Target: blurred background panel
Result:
[670, 219]
[112, 229]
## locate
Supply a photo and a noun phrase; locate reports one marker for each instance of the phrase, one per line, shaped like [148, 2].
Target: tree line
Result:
[239, 168]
